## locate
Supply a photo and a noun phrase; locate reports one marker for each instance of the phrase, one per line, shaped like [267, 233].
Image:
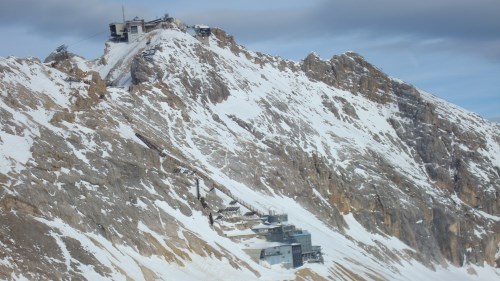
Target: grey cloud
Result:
[463, 25]
[57, 18]
[443, 18]
[258, 25]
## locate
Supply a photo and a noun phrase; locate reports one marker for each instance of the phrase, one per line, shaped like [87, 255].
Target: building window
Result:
[134, 30]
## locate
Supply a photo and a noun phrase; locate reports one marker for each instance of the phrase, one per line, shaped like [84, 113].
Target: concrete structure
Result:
[314, 256]
[135, 28]
[261, 229]
[297, 255]
[128, 31]
[289, 234]
[278, 253]
[131, 30]
[158, 23]
[302, 237]
[272, 253]
[280, 233]
[118, 33]
[202, 33]
[274, 217]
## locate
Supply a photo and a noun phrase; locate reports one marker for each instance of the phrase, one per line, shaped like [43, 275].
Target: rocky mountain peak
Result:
[350, 72]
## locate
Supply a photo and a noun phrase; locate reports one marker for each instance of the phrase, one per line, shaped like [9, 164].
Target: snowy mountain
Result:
[99, 162]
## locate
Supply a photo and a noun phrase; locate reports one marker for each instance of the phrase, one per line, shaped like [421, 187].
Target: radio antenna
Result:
[123, 13]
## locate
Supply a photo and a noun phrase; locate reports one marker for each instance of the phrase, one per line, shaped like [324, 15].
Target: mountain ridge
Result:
[333, 139]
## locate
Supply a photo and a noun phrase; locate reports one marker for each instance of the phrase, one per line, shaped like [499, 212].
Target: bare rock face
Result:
[319, 70]
[218, 91]
[58, 56]
[349, 72]
[141, 72]
[444, 148]
[226, 40]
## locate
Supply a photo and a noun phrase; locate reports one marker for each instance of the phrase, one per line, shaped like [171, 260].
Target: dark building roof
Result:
[229, 209]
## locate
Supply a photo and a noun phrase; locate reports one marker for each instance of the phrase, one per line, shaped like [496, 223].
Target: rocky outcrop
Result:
[350, 72]
[226, 40]
[141, 72]
[445, 150]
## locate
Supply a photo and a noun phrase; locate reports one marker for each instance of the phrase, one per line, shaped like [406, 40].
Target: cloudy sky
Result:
[450, 48]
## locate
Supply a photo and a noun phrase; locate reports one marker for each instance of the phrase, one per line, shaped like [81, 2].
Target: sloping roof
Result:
[229, 209]
[267, 245]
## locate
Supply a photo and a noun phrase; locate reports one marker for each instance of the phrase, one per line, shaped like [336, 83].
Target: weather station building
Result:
[128, 31]
[118, 33]
[135, 29]
[202, 32]
[131, 30]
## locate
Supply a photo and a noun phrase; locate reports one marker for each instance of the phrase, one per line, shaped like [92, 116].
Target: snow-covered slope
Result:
[392, 182]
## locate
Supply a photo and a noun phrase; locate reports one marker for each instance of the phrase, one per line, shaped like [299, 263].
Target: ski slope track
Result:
[392, 182]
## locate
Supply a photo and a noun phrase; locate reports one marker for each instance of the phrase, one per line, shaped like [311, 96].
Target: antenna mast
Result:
[123, 13]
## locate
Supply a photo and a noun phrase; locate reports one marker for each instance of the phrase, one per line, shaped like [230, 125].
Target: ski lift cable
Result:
[87, 38]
